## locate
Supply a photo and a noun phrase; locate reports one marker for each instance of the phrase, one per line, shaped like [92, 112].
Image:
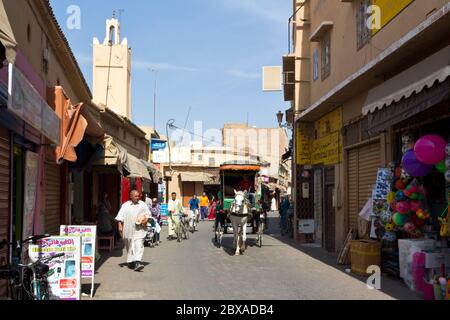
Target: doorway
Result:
[330, 214]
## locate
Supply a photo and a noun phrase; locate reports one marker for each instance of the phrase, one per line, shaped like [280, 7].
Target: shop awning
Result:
[432, 70]
[6, 36]
[113, 154]
[93, 127]
[196, 177]
[136, 168]
[155, 174]
[273, 186]
[73, 126]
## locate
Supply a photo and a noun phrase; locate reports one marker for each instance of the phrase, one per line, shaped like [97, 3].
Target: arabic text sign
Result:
[88, 234]
[64, 275]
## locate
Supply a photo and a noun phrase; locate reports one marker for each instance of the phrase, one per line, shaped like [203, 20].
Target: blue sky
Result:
[209, 55]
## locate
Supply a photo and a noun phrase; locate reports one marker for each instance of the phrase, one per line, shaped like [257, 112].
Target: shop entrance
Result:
[330, 214]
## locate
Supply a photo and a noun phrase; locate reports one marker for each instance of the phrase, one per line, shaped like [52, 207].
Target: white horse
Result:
[238, 216]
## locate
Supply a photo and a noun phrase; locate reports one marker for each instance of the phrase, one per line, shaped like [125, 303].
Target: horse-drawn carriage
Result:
[241, 208]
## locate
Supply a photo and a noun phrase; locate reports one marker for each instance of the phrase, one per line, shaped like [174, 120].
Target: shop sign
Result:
[327, 150]
[158, 144]
[389, 10]
[324, 146]
[64, 275]
[27, 104]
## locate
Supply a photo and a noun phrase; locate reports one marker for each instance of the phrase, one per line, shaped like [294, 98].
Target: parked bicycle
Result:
[27, 281]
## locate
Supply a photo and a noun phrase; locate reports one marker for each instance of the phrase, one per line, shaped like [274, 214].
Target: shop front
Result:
[116, 173]
[409, 199]
[318, 158]
[28, 124]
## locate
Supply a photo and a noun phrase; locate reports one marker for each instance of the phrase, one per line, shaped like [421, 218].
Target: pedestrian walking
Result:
[175, 208]
[273, 204]
[212, 209]
[204, 202]
[194, 205]
[133, 217]
[147, 200]
[155, 210]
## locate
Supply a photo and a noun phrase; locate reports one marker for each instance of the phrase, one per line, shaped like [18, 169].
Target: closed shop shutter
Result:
[4, 198]
[52, 183]
[363, 164]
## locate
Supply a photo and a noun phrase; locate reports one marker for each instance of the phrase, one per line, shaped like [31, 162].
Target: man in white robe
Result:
[133, 218]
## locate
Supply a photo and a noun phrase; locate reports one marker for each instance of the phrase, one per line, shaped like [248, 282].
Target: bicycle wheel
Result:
[186, 230]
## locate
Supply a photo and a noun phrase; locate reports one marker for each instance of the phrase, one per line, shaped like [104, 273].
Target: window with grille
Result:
[363, 32]
[326, 55]
[315, 64]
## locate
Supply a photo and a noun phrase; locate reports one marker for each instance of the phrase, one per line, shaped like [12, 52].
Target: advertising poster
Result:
[64, 276]
[30, 177]
[88, 234]
[164, 213]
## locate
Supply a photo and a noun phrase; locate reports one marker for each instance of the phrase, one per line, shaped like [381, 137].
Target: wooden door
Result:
[188, 192]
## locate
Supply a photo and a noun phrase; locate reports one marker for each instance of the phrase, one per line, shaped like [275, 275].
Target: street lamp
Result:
[280, 116]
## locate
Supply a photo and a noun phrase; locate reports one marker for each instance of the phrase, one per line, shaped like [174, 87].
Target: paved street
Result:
[196, 269]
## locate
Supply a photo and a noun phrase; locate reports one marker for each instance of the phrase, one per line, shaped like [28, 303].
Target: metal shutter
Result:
[52, 182]
[362, 167]
[5, 154]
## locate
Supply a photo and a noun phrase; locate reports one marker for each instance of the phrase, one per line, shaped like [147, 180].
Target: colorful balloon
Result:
[400, 196]
[403, 207]
[399, 219]
[440, 166]
[413, 166]
[400, 184]
[430, 149]
[414, 205]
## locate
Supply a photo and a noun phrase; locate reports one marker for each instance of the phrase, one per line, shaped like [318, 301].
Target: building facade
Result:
[350, 64]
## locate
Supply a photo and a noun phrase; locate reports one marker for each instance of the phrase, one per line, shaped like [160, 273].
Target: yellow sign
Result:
[389, 9]
[327, 150]
[303, 147]
[326, 147]
[329, 123]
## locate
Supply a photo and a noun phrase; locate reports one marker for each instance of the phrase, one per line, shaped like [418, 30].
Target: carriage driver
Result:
[245, 184]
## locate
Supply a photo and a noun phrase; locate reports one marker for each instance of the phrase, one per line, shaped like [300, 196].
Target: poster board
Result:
[64, 276]
[88, 248]
[30, 188]
[164, 213]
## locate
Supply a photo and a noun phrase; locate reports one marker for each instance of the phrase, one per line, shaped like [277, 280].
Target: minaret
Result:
[112, 71]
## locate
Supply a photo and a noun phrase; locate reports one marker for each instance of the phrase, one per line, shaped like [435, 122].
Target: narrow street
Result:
[196, 269]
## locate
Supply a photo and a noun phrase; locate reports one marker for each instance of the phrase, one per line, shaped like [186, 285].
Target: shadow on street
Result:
[389, 285]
